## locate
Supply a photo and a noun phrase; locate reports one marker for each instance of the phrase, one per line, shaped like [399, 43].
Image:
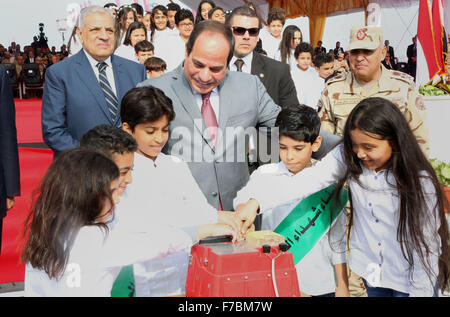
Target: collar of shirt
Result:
[247, 67]
[213, 99]
[384, 83]
[109, 70]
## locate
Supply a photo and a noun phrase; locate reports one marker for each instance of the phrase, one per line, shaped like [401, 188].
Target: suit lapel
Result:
[88, 78]
[258, 67]
[183, 90]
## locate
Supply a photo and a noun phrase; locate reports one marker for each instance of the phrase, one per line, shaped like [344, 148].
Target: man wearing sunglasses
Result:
[274, 75]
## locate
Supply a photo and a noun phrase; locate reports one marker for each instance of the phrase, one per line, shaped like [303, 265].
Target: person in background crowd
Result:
[411, 53]
[388, 62]
[340, 64]
[307, 84]
[112, 7]
[292, 36]
[319, 48]
[147, 20]
[271, 37]
[338, 49]
[390, 50]
[160, 25]
[144, 50]
[9, 156]
[202, 11]
[136, 33]
[155, 67]
[323, 64]
[86, 89]
[139, 11]
[184, 21]
[217, 14]
[125, 16]
[172, 9]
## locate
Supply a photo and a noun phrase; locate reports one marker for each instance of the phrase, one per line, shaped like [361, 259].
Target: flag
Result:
[431, 68]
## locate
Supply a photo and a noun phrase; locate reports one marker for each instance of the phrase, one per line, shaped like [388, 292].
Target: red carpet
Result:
[28, 120]
[33, 164]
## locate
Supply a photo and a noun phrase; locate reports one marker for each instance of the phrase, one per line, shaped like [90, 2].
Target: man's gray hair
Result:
[85, 12]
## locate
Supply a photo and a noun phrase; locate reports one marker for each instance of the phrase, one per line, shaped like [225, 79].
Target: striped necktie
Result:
[111, 99]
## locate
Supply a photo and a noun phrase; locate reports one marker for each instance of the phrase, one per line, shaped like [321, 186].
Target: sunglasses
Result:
[237, 30]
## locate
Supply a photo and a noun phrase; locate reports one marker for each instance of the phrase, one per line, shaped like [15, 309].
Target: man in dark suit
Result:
[411, 53]
[9, 158]
[389, 63]
[390, 50]
[86, 90]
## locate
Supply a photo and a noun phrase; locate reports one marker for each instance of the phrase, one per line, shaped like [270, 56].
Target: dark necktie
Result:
[239, 63]
[209, 117]
[111, 99]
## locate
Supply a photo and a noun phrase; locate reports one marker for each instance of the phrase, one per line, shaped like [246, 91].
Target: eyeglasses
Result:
[237, 30]
[187, 24]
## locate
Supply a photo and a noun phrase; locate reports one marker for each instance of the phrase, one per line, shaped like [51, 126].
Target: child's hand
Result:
[216, 230]
[230, 218]
[246, 214]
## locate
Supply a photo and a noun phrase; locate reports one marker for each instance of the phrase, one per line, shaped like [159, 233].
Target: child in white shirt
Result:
[299, 128]
[163, 189]
[308, 85]
[70, 249]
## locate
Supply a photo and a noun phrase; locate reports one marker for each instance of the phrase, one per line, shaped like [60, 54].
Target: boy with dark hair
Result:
[271, 37]
[172, 9]
[307, 84]
[144, 50]
[323, 64]
[163, 190]
[139, 11]
[299, 128]
[155, 67]
[117, 145]
[184, 20]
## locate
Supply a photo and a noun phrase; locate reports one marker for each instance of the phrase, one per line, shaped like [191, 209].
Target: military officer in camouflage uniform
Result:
[369, 78]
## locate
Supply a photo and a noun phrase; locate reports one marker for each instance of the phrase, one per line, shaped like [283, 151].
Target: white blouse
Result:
[95, 260]
[375, 252]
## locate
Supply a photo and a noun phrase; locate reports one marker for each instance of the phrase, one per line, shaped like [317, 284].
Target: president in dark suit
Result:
[9, 158]
[85, 90]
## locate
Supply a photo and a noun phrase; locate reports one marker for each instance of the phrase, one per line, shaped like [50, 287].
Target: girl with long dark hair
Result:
[292, 36]
[70, 249]
[399, 242]
[203, 9]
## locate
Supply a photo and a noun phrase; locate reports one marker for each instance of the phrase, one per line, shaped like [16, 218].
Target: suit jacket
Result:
[276, 77]
[9, 158]
[391, 52]
[244, 103]
[73, 102]
[392, 66]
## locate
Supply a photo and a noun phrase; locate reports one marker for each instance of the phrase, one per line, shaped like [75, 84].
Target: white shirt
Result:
[95, 260]
[171, 48]
[246, 67]
[375, 253]
[213, 99]
[291, 58]
[315, 271]
[269, 43]
[109, 70]
[163, 191]
[308, 85]
[127, 51]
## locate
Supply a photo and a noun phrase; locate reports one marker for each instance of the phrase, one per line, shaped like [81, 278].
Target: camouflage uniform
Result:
[342, 93]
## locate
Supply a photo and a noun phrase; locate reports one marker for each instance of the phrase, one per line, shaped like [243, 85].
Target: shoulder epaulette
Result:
[401, 76]
[338, 77]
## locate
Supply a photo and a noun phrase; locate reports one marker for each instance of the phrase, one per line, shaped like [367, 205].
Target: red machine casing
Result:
[239, 270]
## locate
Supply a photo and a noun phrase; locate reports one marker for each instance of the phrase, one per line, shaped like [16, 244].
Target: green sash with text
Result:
[310, 220]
